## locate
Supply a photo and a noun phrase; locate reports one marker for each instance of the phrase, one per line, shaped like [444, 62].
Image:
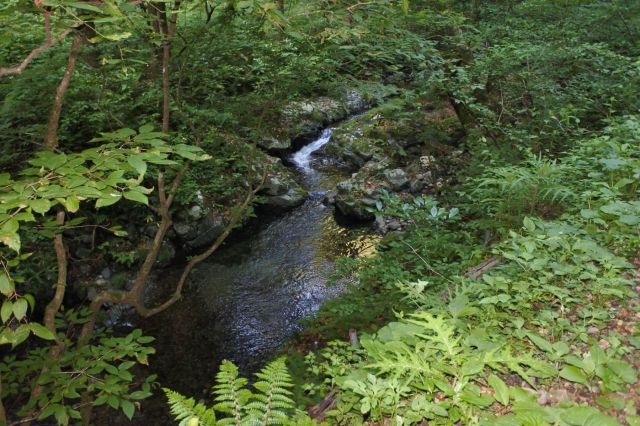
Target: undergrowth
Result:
[547, 337]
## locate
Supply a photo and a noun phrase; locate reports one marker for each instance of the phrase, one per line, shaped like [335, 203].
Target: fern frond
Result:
[443, 333]
[188, 412]
[273, 403]
[231, 396]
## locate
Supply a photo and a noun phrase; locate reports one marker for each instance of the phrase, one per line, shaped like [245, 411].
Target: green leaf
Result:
[136, 196]
[6, 310]
[573, 374]
[9, 235]
[137, 162]
[480, 400]
[561, 348]
[6, 284]
[127, 408]
[587, 416]
[405, 6]
[500, 388]
[85, 6]
[41, 331]
[113, 401]
[20, 307]
[40, 205]
[540, 342]
[623, 370]
[117, 36]
[72, 204]
[110, 199]
[20, 335]
[146, 128]
[529, 224]
[472, 367]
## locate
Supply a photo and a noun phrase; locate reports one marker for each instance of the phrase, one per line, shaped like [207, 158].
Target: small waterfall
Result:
[302, 158]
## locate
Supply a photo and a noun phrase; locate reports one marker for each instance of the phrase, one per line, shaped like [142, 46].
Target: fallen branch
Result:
[317, 411]
[476, 272]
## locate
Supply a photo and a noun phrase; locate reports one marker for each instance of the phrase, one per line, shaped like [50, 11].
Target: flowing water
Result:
[247, 299]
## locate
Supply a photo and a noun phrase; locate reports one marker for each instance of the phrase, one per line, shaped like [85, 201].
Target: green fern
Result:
[231, 397]
[188, 412]
[270, 405]
[273, 404]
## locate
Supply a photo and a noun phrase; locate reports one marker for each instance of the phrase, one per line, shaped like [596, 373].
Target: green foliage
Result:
[542, 316]
[188, 412]
[537, 186]
[270, 404]
[104, 175]
[101, 370]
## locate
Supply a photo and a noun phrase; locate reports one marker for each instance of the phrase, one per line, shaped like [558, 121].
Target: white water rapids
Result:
[302, 158]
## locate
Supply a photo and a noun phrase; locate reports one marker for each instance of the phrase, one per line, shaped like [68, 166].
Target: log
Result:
[476, 272]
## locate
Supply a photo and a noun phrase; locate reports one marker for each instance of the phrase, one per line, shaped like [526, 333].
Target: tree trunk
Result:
[166, 56]
[3, 414]
[53, 307]
[51, 137]
[166, 105]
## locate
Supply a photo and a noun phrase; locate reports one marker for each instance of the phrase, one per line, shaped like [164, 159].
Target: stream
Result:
[247, 300]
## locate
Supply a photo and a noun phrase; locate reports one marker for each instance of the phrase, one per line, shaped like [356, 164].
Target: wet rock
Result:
[106, 273]
[394, 225]
[397, 178]
[292, 198]
[275, 145]
[355, 159]
[368, 201]
[355, 101]
[380, 225]
[354, 209]
[329, 198]
[344, 187]
[275, 185]
[200, 233]
[304, 119]
[119, 317]
[427, 161]
[281, 191]
[196, 212]
[416, 186]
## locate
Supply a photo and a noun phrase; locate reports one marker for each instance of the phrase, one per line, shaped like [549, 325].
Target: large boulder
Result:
[355, 101]
[201, 232]
[294, 197]
[354, 201]
[397, 178]
[302, 120]
[354, 209]
[280, 190]
[275, 145]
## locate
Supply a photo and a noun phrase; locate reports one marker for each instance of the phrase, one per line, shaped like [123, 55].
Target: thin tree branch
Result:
[49, 41]
[51, 137]
[146, 312]
[57, 348]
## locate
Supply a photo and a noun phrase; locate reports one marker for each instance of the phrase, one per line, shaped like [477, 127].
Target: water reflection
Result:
[247, 299]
